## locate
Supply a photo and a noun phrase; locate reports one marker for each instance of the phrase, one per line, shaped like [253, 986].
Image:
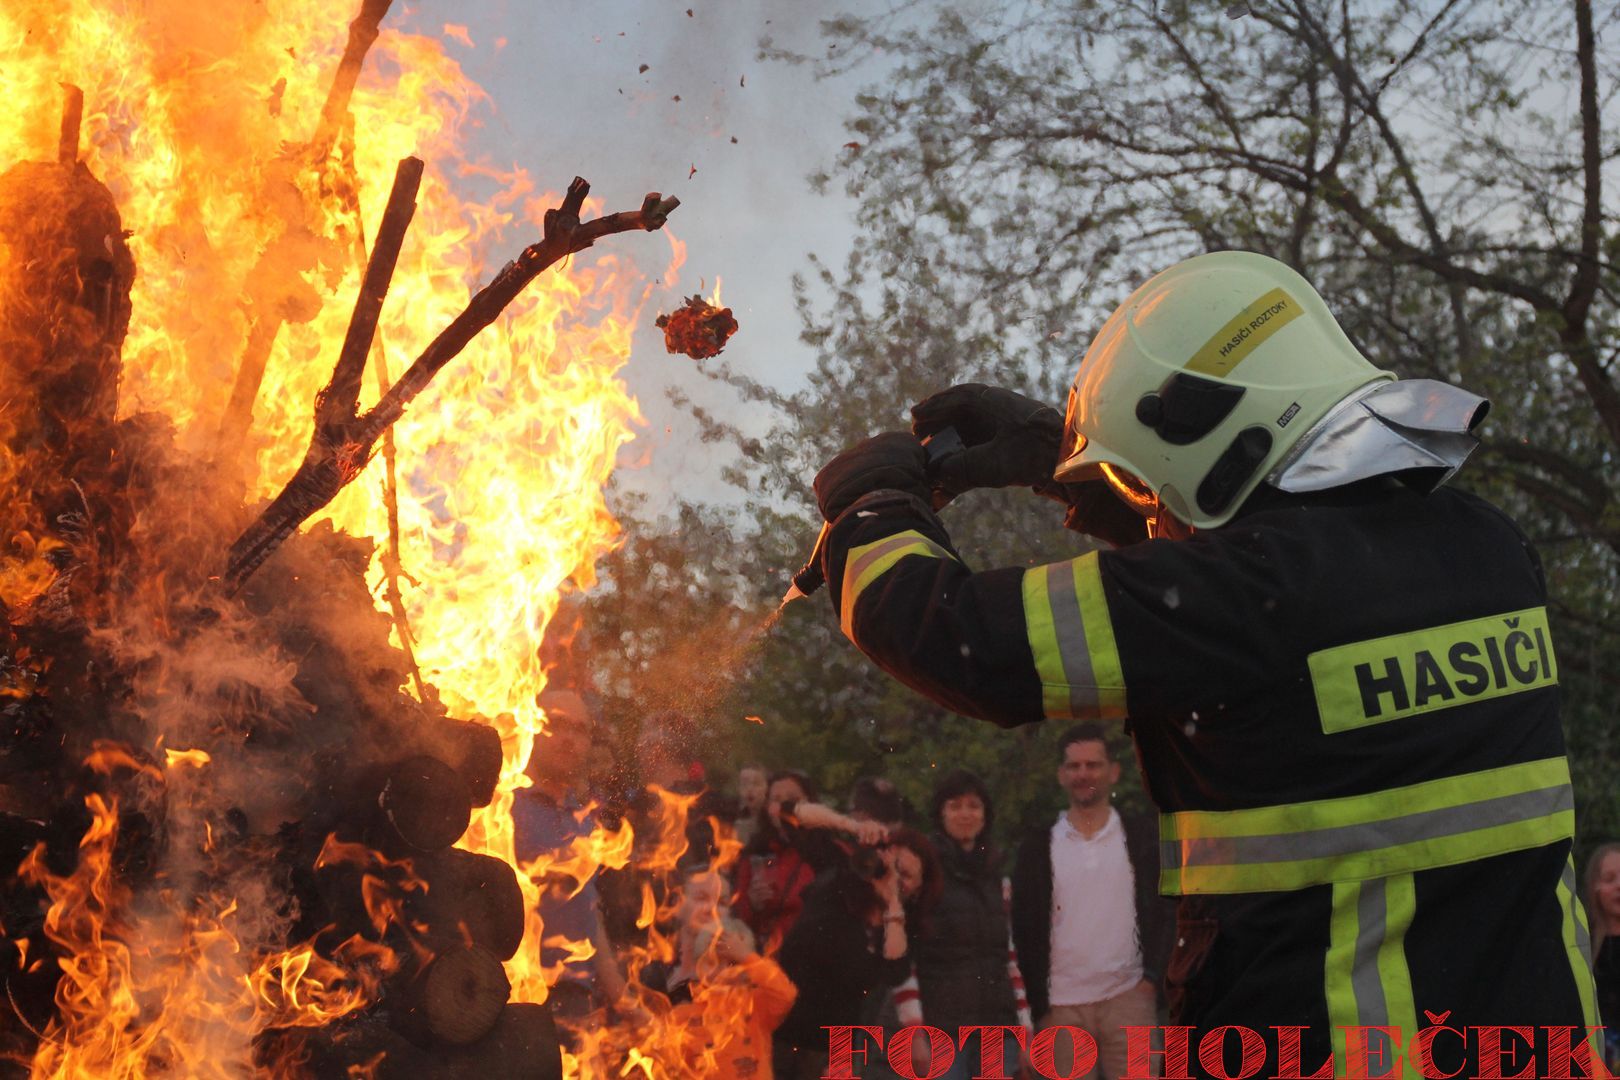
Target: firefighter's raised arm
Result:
[981, 644]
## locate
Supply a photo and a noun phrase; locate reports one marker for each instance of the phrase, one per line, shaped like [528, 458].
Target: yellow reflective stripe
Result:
[1072, 640]
[1578, 945]
[1105, 664]
[1396, 831]
[1368, 982]
[865, 564]
[1232, 343]
[1446, 792]
[1339, 970]
[1043, 642]
[1395, 859]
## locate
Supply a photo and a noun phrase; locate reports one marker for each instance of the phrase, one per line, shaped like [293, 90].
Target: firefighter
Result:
[1338, 673]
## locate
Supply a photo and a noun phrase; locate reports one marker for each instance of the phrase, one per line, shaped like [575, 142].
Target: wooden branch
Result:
[67, 147]
[1584, 286]
[564, 235]
[1354, 86]
[1574, 333]
[329, 463]
[393, 564]
[363, 32]
[341, 445]
[1589, 482]
[338, 403]
[266, 325]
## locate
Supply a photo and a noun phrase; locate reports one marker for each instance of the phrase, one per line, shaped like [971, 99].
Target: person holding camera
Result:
[777, 864]
[853, 938]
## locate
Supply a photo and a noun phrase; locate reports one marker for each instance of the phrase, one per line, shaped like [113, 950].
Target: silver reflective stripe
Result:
[1372, 1010]
[1070, 631]
[1368, 982]
[855, 569]
[1369, 836]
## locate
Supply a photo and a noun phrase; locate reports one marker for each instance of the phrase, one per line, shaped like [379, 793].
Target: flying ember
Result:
[698, 328]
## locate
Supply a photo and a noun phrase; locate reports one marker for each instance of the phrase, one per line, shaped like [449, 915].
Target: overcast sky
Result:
[568, 97]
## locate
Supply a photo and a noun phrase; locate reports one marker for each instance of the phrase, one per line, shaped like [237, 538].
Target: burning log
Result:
[393, 563]
[67, 149]
[522, 1045]
[358, 1046]
[425, 803]
[456, 998]
[469, 898]
[342, 440]
[467, 746]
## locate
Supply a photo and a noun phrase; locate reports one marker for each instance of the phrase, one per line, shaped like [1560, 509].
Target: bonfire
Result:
[295, 484]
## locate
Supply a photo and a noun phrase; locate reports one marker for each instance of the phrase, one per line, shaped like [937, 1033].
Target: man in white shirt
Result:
[1091, 931]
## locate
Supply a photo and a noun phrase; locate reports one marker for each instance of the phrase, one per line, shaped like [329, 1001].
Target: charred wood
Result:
[425, 803]
[455, 999]
[473, 749]
[523, 1045]
[269, 292]
[340, 446]
[468, 899]
[67, 150]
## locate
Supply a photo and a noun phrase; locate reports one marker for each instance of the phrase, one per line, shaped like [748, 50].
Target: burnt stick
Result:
[564, 235]
[67, 147]
[392, 563]
[327, 466]
[237, 418]
[339, 401]
[341, 446]
[363, 32]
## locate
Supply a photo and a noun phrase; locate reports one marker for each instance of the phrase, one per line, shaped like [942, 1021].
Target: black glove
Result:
[1012, 440]
[893, 460]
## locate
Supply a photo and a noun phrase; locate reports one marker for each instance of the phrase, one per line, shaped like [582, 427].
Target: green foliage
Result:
[1025, 165]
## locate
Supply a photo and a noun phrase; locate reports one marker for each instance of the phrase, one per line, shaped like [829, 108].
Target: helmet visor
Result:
[1131, 489]
[1134, 493]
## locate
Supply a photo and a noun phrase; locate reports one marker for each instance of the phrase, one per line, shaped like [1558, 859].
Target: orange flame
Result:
[197, 126]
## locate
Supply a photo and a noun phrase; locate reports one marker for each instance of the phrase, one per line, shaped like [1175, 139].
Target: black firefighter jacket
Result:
[1346, 710]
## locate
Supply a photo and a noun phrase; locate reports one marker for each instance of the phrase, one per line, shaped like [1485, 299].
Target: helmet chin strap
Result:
[1163, 525]
[1421, 429]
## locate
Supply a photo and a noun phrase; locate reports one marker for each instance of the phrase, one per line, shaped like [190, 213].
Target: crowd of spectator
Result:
[790, 911]
[787, 914]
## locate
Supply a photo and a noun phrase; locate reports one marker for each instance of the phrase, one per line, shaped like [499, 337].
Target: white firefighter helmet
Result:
[1227, 370]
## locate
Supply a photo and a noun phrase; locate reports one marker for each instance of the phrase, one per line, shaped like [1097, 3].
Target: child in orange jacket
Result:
[726, 999]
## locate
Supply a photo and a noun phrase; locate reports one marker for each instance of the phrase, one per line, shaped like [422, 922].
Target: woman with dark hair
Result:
[1601, 891]
[966, 974]
[775, 866]
[854, 938]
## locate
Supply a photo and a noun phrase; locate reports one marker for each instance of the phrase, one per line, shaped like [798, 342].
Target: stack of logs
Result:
[363, 840]
[388, 871]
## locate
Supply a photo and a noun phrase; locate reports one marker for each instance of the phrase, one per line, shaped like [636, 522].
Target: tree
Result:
[1435, 167]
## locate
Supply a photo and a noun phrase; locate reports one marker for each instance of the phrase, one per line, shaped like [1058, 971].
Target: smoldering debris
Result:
[697, 328]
